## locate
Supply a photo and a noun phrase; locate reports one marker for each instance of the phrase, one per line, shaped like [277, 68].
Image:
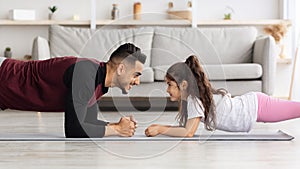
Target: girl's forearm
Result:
[175, 131]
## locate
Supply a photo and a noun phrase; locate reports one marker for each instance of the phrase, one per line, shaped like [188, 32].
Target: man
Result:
[72, 85]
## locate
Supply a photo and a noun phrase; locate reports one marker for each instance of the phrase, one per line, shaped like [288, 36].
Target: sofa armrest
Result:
[265, 54]
[40, 49]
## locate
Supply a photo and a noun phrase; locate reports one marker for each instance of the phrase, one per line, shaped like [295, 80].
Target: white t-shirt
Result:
[236, 114]
[194, 107]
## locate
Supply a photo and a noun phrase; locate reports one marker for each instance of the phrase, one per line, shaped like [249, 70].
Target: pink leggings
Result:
[275, 110]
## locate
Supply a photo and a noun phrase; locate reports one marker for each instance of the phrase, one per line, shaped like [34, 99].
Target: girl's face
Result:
[173, 90]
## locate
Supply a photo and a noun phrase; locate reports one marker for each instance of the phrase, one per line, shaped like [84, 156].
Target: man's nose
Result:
[137, 81]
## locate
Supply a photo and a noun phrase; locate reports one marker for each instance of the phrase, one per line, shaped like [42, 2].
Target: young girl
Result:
[198, 101]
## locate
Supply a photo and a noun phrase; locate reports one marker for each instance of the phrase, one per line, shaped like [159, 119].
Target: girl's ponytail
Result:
[205, 91]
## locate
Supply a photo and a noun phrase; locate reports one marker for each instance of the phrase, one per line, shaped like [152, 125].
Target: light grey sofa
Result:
[234, 58]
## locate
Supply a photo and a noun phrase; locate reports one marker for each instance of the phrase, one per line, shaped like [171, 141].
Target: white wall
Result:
[20, 38]
[208, 9]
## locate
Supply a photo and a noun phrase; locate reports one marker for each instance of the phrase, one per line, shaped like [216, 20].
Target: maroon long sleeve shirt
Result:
[65, 84]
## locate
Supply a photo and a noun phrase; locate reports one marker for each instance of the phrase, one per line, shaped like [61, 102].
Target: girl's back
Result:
[236, 114]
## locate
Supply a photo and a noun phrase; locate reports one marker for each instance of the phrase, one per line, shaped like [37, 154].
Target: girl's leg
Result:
[275, 110]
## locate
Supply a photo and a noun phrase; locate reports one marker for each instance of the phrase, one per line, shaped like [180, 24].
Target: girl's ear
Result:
[184, 85]
[120, 69]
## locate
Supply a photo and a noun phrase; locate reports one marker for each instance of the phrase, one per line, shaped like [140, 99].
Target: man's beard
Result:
[122, 86]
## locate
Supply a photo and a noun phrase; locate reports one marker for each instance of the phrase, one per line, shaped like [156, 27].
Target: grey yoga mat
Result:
[275, 136]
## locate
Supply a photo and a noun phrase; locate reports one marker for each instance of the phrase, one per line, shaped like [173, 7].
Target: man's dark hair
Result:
[129, 52]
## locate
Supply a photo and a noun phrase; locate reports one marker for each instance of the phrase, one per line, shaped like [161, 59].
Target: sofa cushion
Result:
[158, 89]
[66, 41]
[40, 49]
[155, 89]
[147, 75]
[99, 43]
[220, 72]
[228, 45]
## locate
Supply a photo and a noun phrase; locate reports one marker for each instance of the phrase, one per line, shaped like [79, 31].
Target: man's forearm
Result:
[111, 129]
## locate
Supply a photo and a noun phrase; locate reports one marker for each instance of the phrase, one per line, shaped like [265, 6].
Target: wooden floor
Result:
[54, 155]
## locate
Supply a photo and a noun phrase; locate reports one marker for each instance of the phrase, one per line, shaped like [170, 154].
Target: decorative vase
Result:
[137, 10]
[115, 12]
[51, 16]
[7, 54]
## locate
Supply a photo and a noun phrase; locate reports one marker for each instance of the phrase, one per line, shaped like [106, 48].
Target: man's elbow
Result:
[76, 135]
[83, 134]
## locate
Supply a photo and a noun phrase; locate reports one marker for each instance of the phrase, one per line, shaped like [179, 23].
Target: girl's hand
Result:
[153, 130]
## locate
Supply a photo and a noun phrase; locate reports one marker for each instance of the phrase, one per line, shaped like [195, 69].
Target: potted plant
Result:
[52, 9]
[228, 13]
[7, 52]
[227, 16]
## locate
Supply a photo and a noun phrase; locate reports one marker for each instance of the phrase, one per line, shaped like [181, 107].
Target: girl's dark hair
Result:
[198, 86]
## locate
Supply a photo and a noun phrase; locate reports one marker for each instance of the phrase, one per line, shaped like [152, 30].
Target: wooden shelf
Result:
[98, 22]
[200, 23]
[42, 23]
[167, 22]
[243, 22]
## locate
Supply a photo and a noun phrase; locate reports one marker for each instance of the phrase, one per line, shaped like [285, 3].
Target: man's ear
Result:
[184, 85]
[120, 69]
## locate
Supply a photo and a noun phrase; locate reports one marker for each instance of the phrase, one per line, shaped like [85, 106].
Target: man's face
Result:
[129, 77]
